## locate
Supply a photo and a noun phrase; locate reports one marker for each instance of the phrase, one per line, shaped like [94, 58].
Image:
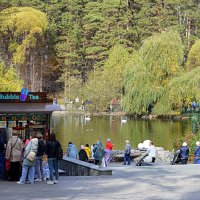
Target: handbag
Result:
[31, 155]
[7, 165]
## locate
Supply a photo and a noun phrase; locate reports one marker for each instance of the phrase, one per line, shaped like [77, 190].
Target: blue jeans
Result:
[53, 167]
[30, 170]
[2, 162]
[39, 168]
[196, 160]
[127, 157]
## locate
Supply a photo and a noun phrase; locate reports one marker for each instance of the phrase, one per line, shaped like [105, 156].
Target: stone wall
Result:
[162, 156]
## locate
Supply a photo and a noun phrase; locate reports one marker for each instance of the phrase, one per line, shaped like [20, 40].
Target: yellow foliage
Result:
[24, 25]
[9, 79]
[194, 56]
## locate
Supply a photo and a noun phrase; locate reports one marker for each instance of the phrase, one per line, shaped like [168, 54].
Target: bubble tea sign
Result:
[23, 97]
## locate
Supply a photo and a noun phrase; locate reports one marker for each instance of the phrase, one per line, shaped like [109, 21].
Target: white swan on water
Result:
[123, 120]
[87, 117]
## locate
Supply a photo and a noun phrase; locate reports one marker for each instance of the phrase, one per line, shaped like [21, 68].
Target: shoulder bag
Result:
[31, 155]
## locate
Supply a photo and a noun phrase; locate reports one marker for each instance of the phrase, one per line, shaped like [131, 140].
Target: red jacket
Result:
[109, 145]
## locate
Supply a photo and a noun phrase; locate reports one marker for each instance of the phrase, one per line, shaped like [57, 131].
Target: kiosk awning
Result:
[8, 108]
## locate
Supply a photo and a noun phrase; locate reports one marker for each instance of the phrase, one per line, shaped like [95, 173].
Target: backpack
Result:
[99, 151]
[59, 153]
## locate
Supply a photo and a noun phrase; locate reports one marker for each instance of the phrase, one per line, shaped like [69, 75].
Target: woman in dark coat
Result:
[51, 150]
[184, 153]
[82, 154]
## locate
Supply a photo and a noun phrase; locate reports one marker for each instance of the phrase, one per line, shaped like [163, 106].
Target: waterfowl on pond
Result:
[87, 117]
[124, 120]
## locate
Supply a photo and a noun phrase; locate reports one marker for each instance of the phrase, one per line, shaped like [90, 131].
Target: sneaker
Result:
[44, 179]
[55, 182]
[19, 182]
[38, 180]
[50, 182]
[27, 182]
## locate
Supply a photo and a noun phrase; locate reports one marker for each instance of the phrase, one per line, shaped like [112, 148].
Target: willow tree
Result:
[179, 92]
[21, 29]
[194, 56]
[158, 61]
[9, 79]
[105, 84]
[184, 88]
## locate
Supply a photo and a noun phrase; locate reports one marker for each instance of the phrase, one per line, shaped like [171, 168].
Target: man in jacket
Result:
[72, 151]
[127, 153]
[98, 153]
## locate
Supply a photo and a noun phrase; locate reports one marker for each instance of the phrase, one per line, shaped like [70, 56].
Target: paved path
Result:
[127, 182]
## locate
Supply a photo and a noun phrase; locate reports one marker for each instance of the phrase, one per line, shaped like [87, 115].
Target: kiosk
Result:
[32, 114]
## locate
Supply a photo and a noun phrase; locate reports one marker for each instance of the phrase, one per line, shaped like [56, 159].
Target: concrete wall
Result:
[74, 167]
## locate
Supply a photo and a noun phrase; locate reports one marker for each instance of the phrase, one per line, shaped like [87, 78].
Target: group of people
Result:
[96, 152]
[24, 161]
[181, 156]
[101, 155]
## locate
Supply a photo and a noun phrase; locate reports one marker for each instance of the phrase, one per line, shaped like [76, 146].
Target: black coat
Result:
[52, 148]
[83, 155]
[41, 148]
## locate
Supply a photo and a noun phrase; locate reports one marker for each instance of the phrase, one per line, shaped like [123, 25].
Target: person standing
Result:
[72, 150]
[14, 154]
[29, 160]
[109, 147]
[92, 151]
[39, 172]
[151, 153]
[98, 153]
[184, 153]
[82, 154]
[2, 155]
[52, 149]
[194, 105]
[197, 153]
[87, 150]
[127, 153]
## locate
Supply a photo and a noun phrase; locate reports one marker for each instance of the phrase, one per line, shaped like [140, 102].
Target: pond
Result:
[81, 131]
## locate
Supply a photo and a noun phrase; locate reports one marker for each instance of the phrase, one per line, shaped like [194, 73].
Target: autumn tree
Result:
[21, 30]
[159, 60]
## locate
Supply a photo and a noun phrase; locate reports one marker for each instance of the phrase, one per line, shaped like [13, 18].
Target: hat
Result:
[140, 146]
[198, 143]
[184, 144]
[108, 139]
[82, 147]
[127, 141]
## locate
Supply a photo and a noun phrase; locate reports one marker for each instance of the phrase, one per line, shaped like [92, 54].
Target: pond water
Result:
[80, 131]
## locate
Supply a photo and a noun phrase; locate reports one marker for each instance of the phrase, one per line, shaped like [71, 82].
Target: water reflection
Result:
[81, 131]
